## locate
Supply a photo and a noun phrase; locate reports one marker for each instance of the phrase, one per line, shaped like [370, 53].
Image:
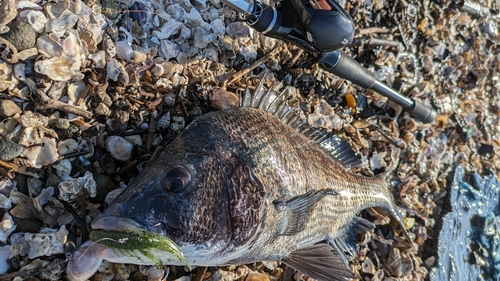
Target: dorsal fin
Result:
[278, 104]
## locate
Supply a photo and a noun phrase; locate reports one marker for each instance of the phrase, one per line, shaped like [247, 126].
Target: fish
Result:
[248, 184]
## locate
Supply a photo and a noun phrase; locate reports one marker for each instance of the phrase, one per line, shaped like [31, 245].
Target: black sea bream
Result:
[242, 185]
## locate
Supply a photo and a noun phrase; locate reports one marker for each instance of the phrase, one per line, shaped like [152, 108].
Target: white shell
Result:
[99, 59]
[5, 203]
[86, 144]
[67, 146]
[48, 47]
[36, 19]
[113, 194]
[7, 226]
[4, 256]
[134, 139]
[60, 25]
[168, 29]
[119, 148]
[19, 71]
[5, 75]
[74, 91]
[25, 4]
[377, 160]
[202, 38]
[157, 70]
[139, 54]
[27, 54]
[124, 50]
[58, 68]
[218, 27]
[42, 244]
[34, 186]
[7, 12]
[71, 188]
[85, 262]
[45, 195]
[39, 156]
[193, 19]
[55, 10]
[324, 117]
[63, 167]
[168, 49]
[116, 71]
[30, 119]
[249, 52]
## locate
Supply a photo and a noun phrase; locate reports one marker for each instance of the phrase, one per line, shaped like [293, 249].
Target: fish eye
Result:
[176, 179]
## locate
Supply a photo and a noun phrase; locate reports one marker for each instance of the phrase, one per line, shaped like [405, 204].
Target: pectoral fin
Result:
[346, 243]
[320, 262]
[297, 209]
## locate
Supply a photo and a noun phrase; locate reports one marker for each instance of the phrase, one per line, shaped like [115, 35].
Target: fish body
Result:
[240, 186]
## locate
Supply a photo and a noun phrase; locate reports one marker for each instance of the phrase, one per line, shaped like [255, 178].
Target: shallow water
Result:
[469, 242]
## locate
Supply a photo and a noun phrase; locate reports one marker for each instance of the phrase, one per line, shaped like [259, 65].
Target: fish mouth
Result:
[107, 222]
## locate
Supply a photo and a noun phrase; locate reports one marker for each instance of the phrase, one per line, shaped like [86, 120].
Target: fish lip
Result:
[108, 222]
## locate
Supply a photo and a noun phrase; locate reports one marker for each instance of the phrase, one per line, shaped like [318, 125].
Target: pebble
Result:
[8, 108]
[9, 150]
[119, 148]
[21, 35]
[110, 8]
[62, 123]
[27, 225]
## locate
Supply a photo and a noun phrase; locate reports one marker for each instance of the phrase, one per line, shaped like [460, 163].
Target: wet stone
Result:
[27, 225]
[21, 35]
[104, 185]
[8, 108]
[9, 150]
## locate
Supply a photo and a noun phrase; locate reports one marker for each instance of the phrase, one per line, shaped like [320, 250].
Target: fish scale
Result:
[319, 172]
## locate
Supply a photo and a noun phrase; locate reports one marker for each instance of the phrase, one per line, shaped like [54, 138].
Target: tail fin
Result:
[390, 210]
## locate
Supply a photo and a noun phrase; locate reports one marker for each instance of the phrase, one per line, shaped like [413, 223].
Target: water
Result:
[469, 242]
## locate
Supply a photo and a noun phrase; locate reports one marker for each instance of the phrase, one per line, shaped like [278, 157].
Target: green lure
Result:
[143, 241]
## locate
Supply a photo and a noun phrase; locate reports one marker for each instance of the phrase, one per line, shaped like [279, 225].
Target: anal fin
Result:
[346, 243]
[320, 262]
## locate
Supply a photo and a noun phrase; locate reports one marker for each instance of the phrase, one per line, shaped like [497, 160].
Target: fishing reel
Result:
[322, 27]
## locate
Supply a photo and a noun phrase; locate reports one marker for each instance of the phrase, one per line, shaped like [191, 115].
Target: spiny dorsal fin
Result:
[279, 105]
[320, 262]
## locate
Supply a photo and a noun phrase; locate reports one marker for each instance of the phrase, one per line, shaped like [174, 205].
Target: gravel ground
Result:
[90, 91]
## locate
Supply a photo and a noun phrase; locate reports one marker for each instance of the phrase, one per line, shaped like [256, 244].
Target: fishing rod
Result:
[321, 28]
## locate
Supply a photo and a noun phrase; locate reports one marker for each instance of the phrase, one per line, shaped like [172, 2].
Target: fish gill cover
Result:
[469, 242]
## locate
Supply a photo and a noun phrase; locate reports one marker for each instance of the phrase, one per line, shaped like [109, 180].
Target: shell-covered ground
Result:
[90, 91]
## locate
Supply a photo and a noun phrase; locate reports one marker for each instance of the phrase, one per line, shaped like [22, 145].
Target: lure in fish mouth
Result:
[242, 185]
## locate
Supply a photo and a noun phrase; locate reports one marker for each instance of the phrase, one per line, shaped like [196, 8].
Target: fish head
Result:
[206, 201]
